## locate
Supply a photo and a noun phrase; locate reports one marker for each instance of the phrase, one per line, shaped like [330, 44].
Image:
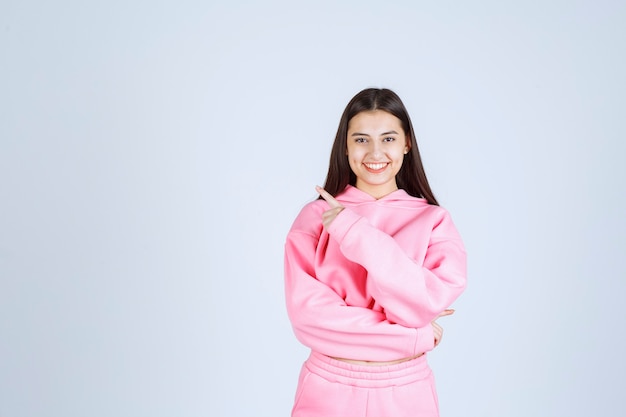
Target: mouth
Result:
[375, 167]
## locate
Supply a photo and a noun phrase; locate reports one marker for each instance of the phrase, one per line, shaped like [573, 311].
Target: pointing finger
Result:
[446, 312]
[329, 198]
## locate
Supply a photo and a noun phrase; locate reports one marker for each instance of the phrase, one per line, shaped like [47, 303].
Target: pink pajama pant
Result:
[332, 388]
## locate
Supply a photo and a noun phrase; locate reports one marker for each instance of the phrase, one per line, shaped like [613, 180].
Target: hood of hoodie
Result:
[352, 196]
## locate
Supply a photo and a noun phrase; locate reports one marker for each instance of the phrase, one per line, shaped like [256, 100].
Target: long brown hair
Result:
[411, 178]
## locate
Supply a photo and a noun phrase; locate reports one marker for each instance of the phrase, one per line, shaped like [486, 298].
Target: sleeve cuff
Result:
[425, 340]
[342, 224]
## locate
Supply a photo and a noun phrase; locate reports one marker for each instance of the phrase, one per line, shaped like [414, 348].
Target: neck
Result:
[377, 192]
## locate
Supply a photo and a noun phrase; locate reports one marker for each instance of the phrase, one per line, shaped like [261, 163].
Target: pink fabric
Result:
[331, 388]
[369, 287]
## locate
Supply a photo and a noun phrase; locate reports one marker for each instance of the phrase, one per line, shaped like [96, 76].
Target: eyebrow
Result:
[391, 132]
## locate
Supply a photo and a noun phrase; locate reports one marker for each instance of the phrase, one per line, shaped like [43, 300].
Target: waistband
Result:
[373, 376]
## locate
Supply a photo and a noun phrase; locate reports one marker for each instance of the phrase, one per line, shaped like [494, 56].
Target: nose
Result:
[377, 151]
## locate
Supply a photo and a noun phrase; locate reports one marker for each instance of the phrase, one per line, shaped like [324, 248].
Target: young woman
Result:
[369, 267]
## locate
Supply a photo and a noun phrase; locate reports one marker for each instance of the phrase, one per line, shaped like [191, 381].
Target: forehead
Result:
[374, 121]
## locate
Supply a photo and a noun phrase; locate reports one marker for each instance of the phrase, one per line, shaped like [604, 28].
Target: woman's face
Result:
[376, 146]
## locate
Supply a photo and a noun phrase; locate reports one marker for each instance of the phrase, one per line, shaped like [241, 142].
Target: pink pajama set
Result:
[367, 289]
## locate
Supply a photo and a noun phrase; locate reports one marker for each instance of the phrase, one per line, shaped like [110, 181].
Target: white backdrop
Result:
[153, 155]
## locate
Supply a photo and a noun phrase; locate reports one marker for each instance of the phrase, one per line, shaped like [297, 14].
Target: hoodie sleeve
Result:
[323, 321]
[411, 293]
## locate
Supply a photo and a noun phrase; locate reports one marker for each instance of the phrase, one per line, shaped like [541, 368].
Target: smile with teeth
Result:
[377, 166]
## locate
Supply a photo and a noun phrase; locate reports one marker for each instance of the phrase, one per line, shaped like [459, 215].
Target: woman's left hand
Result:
[335, 206]
[437, 329]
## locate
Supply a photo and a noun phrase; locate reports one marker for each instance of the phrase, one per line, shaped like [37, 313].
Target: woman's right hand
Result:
[335, 206]
[437, 329]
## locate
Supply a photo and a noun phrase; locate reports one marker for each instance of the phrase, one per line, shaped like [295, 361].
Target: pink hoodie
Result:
[369, 286]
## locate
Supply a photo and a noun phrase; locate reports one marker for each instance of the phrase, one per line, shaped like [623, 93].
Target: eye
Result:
[389, 139]
[360, 140]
